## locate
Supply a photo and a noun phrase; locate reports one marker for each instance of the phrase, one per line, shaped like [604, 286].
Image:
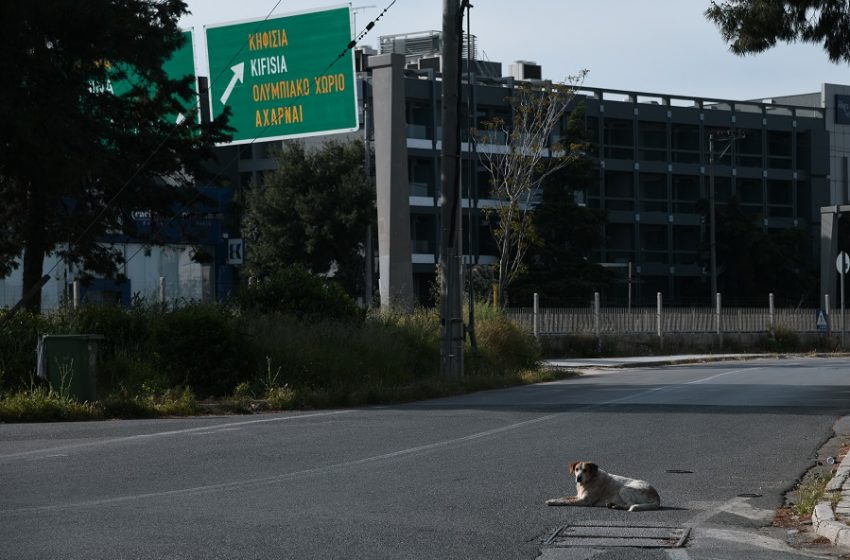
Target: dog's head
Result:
[584, 471]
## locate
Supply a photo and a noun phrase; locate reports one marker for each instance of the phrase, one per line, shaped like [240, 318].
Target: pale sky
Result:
[653, 46]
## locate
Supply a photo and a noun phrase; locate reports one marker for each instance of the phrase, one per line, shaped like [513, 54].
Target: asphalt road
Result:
[463, 477]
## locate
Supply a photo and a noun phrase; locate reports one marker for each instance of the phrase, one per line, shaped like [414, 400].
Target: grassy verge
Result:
[202, 358]
[43, 405]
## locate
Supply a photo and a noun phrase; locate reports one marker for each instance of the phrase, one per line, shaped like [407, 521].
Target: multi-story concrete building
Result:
[653, 163]
[653, 155]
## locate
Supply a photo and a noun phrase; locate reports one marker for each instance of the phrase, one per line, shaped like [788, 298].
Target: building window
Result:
[748, 149]
[421, 176]
[619, 139]
[591, 131]
[804, 150]
[653, 244]
[423, 233]
[749, 191]
[619, 191]
[686, 244]
[685, 143]
[779, 199]
[653, 192]
[620, 242]
[750, 195]
[685, 193]
[722, 189]
[778, 149]
[652, 141]
[419, 121]
[804, 200]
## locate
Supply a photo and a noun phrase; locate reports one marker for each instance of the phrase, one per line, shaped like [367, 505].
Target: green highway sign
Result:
[180, 64]
[283, 77]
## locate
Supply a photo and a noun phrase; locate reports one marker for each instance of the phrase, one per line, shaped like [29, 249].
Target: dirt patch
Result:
[785, 518]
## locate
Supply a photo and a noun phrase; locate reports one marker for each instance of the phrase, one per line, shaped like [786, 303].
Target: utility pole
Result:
[451, 316]
[367, 167]
[730, 136]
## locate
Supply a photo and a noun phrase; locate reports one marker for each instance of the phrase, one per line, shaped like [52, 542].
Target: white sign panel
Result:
[235, 251]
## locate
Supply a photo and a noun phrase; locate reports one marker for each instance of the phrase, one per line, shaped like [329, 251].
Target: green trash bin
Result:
[69, 363]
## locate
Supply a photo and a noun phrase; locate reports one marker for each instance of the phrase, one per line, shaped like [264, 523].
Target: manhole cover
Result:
[635, 536]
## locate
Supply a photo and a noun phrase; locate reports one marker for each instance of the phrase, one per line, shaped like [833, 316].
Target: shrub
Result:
[18, 341]
[385, 349]
[295, 291]
[783, 340]
[201, 346]
[503, 347]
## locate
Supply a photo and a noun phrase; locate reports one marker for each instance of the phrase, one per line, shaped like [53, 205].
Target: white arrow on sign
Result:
[842, 262]
[238, 74]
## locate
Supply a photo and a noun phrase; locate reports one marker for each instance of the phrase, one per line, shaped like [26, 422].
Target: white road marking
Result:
[280, 477]
[154, 435]
[723, 374]
[214, 431]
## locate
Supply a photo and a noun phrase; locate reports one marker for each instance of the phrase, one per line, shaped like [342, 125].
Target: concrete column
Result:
[829, 216]
[393, 192]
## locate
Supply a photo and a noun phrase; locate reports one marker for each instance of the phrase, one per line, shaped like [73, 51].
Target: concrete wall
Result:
[568, 346]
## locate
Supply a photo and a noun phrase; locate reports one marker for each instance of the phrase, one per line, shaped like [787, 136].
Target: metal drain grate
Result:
[612, 535]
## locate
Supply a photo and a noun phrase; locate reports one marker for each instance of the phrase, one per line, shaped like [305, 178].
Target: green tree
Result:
[312, 210]
[753, 261]
[76, 158]
[753, 26]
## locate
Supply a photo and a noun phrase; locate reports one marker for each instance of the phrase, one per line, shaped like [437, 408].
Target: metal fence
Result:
[616, 320]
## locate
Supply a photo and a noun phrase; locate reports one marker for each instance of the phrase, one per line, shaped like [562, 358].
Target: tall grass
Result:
[154, 362]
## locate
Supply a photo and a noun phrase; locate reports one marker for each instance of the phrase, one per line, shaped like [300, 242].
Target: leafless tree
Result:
[519, 156]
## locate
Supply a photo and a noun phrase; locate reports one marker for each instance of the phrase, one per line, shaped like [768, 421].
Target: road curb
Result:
[823, 517]
[577, 364]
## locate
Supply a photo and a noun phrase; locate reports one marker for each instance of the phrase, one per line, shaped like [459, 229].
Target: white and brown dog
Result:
[595, 487]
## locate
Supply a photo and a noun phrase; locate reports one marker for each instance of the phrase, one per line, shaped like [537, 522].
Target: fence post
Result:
[75, 294]
[162, 292]
[828, 315]
[658, 317]
[772, 315]
[596, 328]
[718, 306]
[536, 315]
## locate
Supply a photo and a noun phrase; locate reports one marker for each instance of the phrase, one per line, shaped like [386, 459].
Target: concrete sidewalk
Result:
[646, 361]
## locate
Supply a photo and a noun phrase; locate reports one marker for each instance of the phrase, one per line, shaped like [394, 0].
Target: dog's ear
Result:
[592, 468]
[572, 466]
